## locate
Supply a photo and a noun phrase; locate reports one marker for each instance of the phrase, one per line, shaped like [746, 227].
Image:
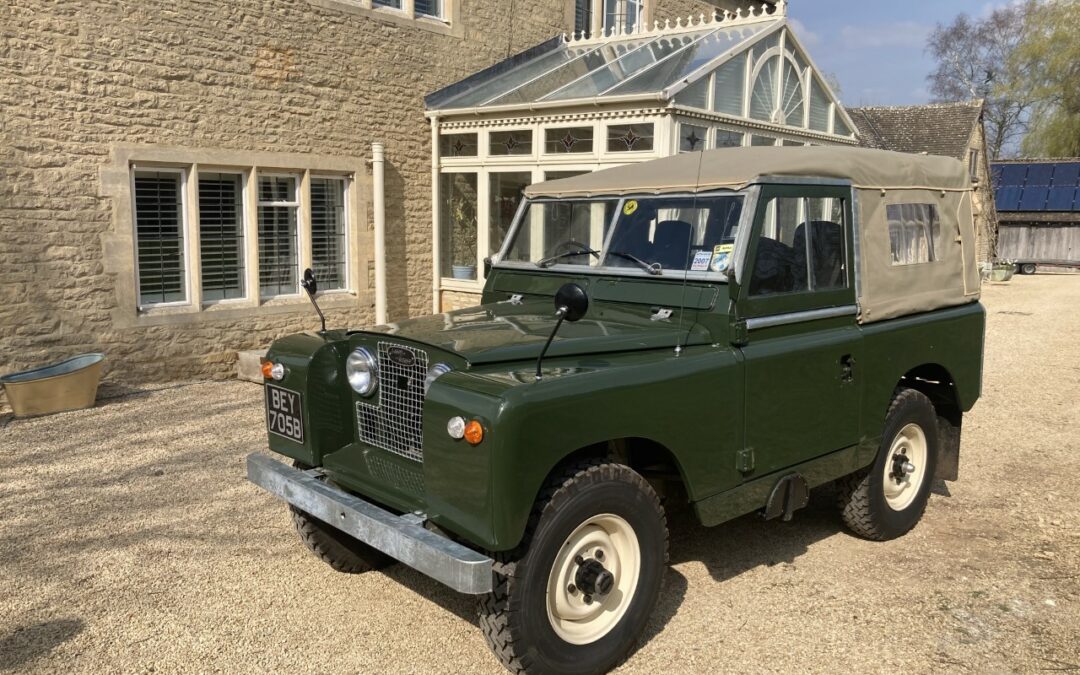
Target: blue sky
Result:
[876, 48]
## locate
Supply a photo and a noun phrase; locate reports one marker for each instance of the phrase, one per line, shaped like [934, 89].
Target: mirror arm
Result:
[322, 319]
[561, 313]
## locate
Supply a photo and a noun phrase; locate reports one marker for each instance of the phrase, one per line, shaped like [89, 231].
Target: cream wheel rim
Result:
[578, 609]
[905, 467]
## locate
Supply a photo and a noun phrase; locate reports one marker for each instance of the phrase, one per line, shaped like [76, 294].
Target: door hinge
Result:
[739, 334]
[744, 460]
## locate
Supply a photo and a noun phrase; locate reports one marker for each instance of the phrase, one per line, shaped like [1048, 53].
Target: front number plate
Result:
[283, 413]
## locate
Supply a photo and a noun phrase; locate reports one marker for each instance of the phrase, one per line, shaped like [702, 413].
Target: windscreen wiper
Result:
[549, 261]
[651, 268]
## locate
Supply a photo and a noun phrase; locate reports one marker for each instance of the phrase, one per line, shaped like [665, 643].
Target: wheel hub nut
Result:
[593, 578]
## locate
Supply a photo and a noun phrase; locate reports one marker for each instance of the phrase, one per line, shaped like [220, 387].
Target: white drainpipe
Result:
[378, 187]
[436, 241]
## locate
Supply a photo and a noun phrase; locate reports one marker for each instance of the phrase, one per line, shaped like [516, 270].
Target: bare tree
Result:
[972, 63]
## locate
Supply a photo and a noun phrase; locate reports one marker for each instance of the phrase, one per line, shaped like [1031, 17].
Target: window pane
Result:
[428, 8]
[159, 237]
[780, 263]
[582, 17]
[517, 142]
[328, 232]
[728, 139]
[730, 79]
[458, 226]
[762, 140]
[396, 4]
[763, 97]
[792, 103]
[278, 260]
[565, 227]
[839, 127]
[791, 144]
[824, 240]
[696, 95]
[457, 145]
[819, 107]
[505, 195]
[691, 138]
[568, 140]
[629, 137]
[914, 233]
[221, 235]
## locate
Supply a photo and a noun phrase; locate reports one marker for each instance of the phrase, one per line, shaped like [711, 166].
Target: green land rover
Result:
[725, 329]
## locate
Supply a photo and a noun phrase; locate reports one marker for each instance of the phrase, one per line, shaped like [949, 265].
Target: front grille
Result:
[395, 422]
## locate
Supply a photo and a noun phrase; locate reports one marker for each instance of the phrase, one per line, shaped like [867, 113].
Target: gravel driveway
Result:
[130, 541]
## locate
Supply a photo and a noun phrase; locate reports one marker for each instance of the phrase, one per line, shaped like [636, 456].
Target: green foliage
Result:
[1046, 63]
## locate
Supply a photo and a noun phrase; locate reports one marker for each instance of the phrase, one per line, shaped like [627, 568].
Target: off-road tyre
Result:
[861, 495]
[514, 616]
[335, 548]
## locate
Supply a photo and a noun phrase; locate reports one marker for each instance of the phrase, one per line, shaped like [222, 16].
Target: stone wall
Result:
[983, 208]
[308, 77]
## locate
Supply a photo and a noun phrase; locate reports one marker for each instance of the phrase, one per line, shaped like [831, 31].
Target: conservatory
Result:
[577, 104]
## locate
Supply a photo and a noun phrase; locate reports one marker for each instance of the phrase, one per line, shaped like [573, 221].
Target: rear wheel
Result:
[340, 551]
[887, 499]
[1027, 268]
[575, 597]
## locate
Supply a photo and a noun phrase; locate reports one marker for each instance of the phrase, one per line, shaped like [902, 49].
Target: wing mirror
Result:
[309, 284]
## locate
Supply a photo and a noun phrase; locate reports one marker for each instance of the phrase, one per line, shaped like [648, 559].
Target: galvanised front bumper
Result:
[401, 537]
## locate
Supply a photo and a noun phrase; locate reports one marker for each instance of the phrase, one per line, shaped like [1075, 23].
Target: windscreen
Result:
[654, 235]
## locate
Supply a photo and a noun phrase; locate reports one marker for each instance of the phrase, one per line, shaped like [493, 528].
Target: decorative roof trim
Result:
[722, 118]
[716, 20]
[556, 119]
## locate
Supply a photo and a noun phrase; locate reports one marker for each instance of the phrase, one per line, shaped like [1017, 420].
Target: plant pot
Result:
[67, 385]
[463, 271]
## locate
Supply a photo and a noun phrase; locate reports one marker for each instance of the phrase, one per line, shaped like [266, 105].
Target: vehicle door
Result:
[796, 325]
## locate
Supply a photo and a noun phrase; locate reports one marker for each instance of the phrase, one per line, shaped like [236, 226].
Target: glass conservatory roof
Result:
[634, 65]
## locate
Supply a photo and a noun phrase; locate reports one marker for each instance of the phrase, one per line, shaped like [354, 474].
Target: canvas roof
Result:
[738, 167]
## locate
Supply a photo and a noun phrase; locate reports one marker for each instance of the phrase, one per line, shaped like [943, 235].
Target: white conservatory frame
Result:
[601, 112]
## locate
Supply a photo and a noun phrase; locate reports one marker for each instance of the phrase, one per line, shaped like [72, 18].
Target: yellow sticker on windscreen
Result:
[629, 207]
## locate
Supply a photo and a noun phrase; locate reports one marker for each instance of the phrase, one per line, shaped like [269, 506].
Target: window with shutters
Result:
[328, 232]
[279, 255]
[160, 236]
[221, 235]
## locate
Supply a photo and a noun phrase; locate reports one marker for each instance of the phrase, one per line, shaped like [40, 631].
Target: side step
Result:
[790, 494]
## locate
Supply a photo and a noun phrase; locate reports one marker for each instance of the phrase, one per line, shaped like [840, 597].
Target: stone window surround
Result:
[118, 244]
[449, 24]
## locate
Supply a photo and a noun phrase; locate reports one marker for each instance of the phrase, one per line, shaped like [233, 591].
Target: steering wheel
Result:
[573, 246]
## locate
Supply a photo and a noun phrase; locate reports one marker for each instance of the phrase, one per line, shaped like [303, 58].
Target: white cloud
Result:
[808, 37]
[900, 34]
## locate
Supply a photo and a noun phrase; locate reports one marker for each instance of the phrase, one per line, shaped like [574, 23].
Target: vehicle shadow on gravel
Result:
[28, 643]
[745, 543]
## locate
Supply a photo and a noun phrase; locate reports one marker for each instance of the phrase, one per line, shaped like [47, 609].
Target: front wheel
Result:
[888, 499]
[576, 595]
[1027, 268]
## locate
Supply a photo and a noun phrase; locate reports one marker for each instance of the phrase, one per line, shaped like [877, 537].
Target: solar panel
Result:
[1067, 175]
[1060, 198]
[1008, 198]
[1013, 174]
[1034, 198]
[1039, 174]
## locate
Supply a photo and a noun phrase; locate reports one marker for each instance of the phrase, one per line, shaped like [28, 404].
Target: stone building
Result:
[167, 167]
[950, 129]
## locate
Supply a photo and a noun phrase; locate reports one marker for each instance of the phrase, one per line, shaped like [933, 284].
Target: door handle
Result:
[847, 368]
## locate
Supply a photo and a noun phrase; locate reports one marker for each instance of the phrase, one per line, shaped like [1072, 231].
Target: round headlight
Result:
[362, 371]
[434, 373]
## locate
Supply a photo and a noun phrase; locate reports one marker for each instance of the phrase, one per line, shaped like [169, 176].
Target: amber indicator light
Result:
[474, 432]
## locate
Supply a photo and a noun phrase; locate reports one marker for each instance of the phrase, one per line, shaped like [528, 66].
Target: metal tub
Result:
[68, 385]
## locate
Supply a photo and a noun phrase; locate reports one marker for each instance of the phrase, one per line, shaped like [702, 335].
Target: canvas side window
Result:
[802, 247]
[914, 233]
